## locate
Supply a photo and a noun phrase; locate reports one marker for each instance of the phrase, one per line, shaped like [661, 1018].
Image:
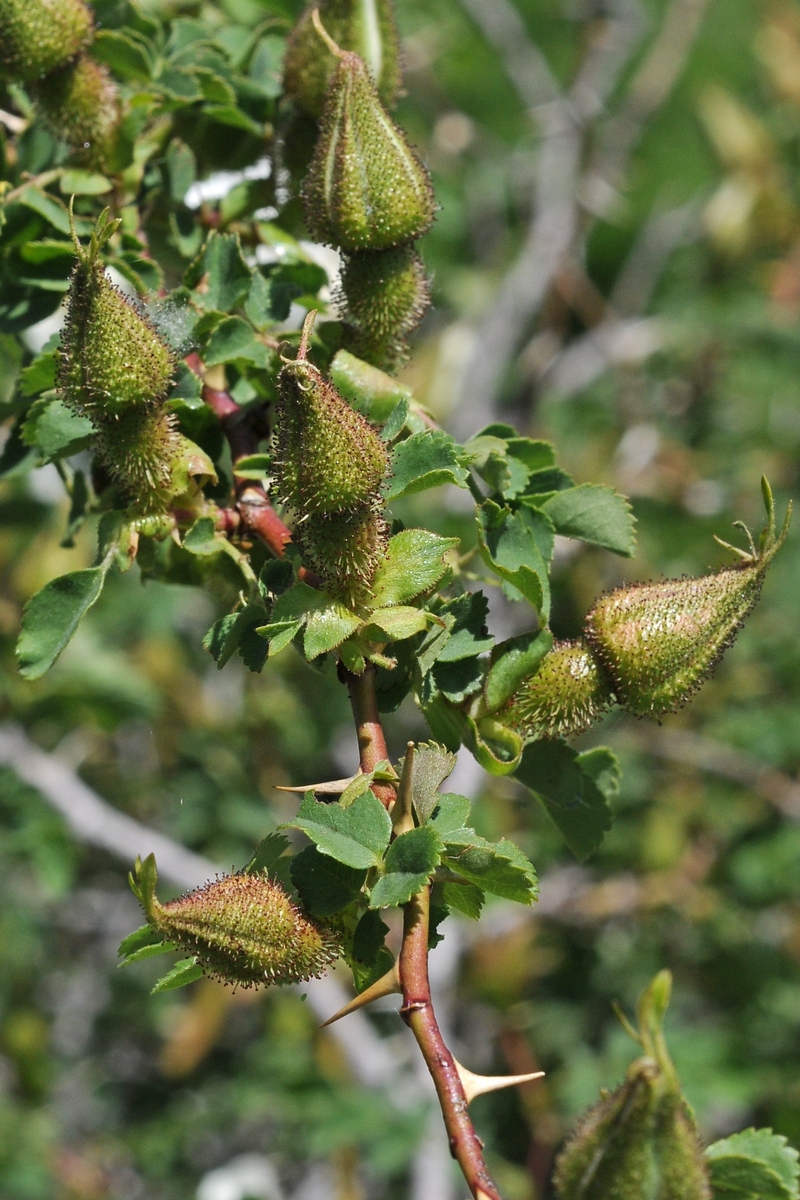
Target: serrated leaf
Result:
[466, 898]
[39, 375]
[452, 813]
[594, 514]
[458, 680]
[432, 765]
[51, 617]
[279, 634]
[578, 806]
[755, 1164]
[396, 623]
[414, 564]
[224, 273]
[515, 660]
[127, 58]
[509, 546]
[356, 836]
[55, 430]
[268, 853]
[324, 885]
[425, 460]
[234, 339]
[603, 766]
[185, 971]
[497, 867]
[468, 633]
[369, 937]
[497, 748]
[410, 861]
[328, 626]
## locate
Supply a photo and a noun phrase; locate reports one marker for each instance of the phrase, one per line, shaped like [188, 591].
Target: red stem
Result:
[371, 741]
[417, 1012]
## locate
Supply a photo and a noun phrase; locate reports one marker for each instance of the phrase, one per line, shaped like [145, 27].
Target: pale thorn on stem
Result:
[388, 985]
[402, 810]
[479, 1085]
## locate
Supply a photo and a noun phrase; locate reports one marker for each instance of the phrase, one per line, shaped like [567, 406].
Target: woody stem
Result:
[369, 730]
[417, 1012]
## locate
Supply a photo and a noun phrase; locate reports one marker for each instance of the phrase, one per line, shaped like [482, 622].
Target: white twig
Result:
[96, 823]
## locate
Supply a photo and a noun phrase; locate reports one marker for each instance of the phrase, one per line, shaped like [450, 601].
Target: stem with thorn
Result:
[417, 1012]
[369, 730]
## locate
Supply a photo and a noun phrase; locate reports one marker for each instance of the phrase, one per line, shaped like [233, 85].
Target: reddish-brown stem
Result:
[417, 1012]
[371, 741]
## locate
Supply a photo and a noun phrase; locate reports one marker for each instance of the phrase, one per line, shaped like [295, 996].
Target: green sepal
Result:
[143, 880]
[497, 748]
[184, 972]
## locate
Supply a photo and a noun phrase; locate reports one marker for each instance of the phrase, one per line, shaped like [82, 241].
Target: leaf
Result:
[369, 937]
[325, 886]
[149, 951]
[279, 634]
[396, 623]
[425, 460]
[83, 183]
[223, 272]
[328, 626]
[127, 58]
[755, 1164]
[572, 797]
[78, 506]
[356, 836]
[51, 617]
[432, 765]
[253, 466]
[509, 547]
[452, 812]
[414, 563]
[603, 766]
[500, 867]
[142, 938]
[234, 339]
[457, 680]
[185, 971]
[497, 748]
[366, 387]
[468, 633]
[465, 898]
[517, 659]
[55, 430]
[269, 851]
[39, 375]
[410, 861]
[597, 515]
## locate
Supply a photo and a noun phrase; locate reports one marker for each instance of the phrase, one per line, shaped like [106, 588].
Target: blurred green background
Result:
[663, 358]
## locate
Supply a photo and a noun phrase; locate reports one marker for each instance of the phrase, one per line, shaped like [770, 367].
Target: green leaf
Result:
[466, 898]
[142, 938]
[222, 268]
[185, 971]
[396, 623]
[356, 836]
[597, 515]
[55, 430]
[368, 389]
[253, 466]
[425, 460]
[603, 766]
[269, 852]
[325, 886]
[497, 748]
[510, 548]
[78, 506]
[414, 564]
[149, 951]
[468, 633]
[40, 375]
[83, 183]
[328, 626]
[369, 937]
[265, 66]
[457, 680]
[279, 634]
[234, 339]
[52, 616]
[127, 58]
[432, 765]
[500, 867]
[410, 861]
[570, 793]
[452, 812]
[755, 1164]
[515, 660]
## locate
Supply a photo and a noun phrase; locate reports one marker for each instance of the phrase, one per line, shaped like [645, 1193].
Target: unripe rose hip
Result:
[384, 297]
[39, 36]
[80, 103]
[366, 188]
[565, 696]
[367, 27]
[658, 642]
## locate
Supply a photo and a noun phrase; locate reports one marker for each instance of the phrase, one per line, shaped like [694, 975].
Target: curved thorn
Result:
[388, 985]
[478, 1085]
[402, 811]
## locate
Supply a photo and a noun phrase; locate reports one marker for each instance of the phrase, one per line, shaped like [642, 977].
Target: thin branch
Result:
[369, 729]
[527, 68]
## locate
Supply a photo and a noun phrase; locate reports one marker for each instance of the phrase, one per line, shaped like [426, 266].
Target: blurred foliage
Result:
[104, 1095]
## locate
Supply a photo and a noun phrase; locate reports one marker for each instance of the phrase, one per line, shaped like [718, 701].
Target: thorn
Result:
[334, 788]
[402, 811]
[387, 985]
[478, 1085]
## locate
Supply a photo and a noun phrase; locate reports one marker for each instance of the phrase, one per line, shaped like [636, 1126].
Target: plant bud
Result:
[367, 27]
[658, 642]
[366, 188]
[111, 357]
[244, 929]
[345, 549]
[329, 459]
[565, 695]
[80, 103]
[383, 298]
[639, 1142]
[39, 36]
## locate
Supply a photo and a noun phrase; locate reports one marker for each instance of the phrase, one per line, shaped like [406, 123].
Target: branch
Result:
[96, 823]
[417, 1012]
[369, 730]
